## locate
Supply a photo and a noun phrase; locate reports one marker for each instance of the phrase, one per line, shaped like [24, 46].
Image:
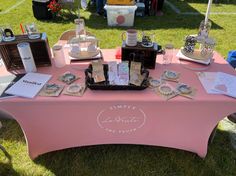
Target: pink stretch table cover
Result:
[121, 117]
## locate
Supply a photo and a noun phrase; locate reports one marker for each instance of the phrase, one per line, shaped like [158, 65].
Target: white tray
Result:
[85, 56]
[205, 61]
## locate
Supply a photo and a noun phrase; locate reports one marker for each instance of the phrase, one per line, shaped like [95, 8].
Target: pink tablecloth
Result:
[121, 117]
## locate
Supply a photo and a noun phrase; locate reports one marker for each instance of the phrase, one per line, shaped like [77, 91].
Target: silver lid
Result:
[23, 44]
[57, 47]
[169, 46]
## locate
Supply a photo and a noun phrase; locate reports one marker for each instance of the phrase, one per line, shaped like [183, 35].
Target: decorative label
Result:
[121, 119]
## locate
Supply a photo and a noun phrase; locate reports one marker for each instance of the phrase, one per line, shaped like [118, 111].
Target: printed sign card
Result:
[112, 72]
[98, 72]
[123, 73]
[135, 73]
[68, 77]
[51, 90]
[75, 90]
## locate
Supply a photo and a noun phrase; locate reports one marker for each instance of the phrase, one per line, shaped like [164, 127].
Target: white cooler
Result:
[120, 15]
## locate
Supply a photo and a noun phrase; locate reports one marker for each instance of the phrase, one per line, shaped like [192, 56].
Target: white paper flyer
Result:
[207, 80]
[225, 84]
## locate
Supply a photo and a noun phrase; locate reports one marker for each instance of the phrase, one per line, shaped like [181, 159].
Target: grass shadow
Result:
[5, 153]
[170, 20]
[130, 159]
[214, 1]
[65, 17]
[6, 168]
[142, 160]
[11, 131]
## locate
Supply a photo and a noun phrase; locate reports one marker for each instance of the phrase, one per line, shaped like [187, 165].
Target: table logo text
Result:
[121, 119]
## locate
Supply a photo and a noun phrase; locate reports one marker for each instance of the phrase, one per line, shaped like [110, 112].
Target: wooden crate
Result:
[11, 57]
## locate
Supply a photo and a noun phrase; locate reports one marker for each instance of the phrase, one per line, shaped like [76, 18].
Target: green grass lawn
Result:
[200, 5]
[115, 160]
[7, 4]
[168, 28]
[122, 160]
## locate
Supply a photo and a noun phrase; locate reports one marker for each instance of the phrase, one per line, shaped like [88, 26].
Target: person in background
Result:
[156, 7]
[92, 2]
[160, 4]
[100, 7]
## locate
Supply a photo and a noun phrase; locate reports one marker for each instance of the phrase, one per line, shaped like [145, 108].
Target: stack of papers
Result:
[29, 85]
[6, 82]
[218, 83]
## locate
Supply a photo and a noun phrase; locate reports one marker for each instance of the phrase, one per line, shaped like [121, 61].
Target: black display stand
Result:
[105, 85]
[145, 55]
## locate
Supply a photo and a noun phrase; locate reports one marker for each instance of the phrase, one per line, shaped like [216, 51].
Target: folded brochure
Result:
[29, 85]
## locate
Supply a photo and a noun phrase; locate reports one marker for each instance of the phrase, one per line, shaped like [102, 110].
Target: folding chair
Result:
[69, 34]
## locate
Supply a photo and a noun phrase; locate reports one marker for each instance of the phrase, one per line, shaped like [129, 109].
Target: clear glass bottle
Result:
[208, 47]
[168, 54]
[204, 29]
[32, 31]
[80, 28]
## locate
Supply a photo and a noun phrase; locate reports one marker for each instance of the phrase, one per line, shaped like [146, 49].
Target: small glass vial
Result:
[168, 54]
[208, 47]
[32, 31]
[204, 28]
[80, 28]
